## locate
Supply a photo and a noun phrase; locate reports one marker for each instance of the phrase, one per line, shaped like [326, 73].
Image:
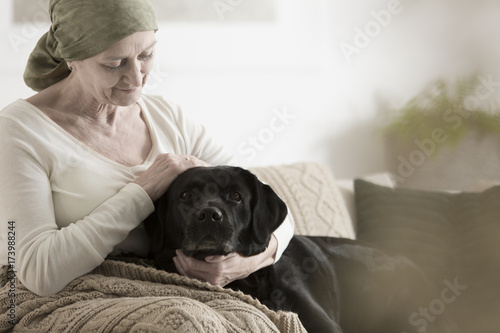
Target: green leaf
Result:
[453, 109]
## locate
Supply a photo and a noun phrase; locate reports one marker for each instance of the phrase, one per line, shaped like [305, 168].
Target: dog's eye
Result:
[186, 195]
[235, 196]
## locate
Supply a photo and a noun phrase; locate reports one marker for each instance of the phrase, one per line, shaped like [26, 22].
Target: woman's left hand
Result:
[222, 270]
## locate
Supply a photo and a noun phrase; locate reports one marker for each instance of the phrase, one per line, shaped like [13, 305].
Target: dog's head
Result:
[215, 211]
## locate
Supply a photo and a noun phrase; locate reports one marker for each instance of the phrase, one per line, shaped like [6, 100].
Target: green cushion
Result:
[458, 233]
[450, 236]
[413, 223]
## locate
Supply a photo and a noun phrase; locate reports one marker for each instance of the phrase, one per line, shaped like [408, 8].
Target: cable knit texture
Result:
[125, 297]
[311, 194]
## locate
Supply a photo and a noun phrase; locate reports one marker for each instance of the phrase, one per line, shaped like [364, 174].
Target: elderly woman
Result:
[83, 160]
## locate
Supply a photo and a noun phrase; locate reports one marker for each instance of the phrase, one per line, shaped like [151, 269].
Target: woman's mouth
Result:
[130, 91]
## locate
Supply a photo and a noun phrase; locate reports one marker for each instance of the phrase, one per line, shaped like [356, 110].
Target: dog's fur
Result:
[331, 283]
[214, 211]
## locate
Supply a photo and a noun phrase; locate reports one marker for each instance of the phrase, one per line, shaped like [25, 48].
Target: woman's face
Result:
[116, 75]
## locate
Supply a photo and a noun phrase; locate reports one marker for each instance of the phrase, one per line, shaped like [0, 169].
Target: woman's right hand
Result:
[164, 170]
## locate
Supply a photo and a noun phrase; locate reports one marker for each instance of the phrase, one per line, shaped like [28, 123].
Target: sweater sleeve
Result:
[284, 235]
[46, 257]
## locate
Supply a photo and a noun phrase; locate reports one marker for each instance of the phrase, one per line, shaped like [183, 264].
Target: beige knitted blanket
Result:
[125, 297]
[119, 297]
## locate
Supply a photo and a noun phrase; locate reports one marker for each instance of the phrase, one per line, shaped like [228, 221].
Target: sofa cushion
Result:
[453, 237]
[346, 187]
[409, 222]
[312, 196]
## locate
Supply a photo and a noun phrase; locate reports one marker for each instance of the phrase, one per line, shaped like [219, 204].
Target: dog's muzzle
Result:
[209, 214]
[208, 232]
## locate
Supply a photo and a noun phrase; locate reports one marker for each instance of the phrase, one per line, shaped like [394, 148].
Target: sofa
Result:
[451, 236]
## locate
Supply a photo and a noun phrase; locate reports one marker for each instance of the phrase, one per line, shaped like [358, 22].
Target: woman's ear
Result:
[70, 65]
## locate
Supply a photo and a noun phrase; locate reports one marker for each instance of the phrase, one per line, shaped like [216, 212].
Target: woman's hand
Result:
[222, 270]
[164, 170]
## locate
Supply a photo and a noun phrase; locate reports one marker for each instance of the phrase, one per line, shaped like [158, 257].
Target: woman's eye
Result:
[235, 196]
[186, 195]
[113, 68]
[147, 56]
[117, 67]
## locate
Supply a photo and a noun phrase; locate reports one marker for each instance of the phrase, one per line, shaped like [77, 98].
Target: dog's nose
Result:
[210, 214]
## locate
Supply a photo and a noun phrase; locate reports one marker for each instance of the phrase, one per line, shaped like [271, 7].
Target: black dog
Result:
[334, 285]
[214, 211]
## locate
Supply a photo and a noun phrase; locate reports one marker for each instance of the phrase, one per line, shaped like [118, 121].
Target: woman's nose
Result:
[134, 75]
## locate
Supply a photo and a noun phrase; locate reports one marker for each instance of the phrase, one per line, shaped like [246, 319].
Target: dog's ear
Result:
[268, 212]
[155, 227]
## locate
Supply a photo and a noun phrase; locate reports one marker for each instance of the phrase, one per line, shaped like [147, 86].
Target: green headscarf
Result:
[81, 29]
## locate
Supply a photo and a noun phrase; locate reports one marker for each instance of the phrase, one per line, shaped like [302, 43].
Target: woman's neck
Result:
[85, 105]
[65, 97]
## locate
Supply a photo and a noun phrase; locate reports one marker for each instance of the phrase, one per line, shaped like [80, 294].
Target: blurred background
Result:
[282, 81]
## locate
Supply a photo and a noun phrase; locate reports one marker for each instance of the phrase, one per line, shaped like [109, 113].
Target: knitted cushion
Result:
[312, 196]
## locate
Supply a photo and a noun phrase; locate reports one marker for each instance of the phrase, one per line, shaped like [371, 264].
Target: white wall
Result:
[333, 83]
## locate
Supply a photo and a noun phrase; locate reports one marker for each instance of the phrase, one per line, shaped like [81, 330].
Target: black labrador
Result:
[333, 284]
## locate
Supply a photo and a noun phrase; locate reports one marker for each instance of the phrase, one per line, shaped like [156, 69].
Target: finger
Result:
[181, 259]
[180, 266]
[214, 259]
[188, 265]
[223, 283]
[183, 269]
[192, 267]
[212, 273]
[189, 261]
[219, 258]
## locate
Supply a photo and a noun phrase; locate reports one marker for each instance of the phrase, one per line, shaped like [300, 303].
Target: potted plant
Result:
[462, 117]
